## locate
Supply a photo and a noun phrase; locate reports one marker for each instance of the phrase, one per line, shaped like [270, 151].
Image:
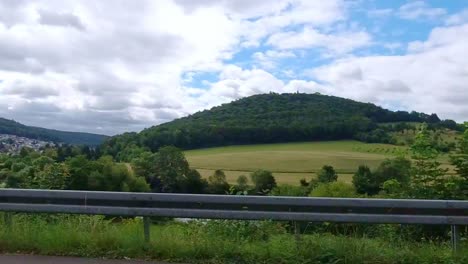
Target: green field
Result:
[291, 162]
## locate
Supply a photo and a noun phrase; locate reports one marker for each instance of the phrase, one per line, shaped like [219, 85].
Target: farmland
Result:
[291, 162]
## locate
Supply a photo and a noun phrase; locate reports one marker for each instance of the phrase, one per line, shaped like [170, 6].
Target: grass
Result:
[291, 162]
[212, 242]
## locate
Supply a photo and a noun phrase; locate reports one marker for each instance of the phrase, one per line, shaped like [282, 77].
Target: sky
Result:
[115, 66]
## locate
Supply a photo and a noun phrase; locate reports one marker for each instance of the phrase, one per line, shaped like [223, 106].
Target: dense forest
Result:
[272, 118]
[76, 138]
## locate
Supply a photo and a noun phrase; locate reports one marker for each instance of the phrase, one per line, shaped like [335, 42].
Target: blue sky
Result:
[111, 68]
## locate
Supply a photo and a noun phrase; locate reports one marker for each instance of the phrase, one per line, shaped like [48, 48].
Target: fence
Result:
[340, 210]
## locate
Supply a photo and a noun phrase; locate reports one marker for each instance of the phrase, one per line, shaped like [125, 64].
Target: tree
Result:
[398, 169]
[364, 181]
[327, 174]
[263, 181]
[171, 169]
[54, 176]
[242, 183]
[371, 183]
[217, 183]
[460, 161]
[427, 175]
[144, 165]
[80, 170]
[194, 183]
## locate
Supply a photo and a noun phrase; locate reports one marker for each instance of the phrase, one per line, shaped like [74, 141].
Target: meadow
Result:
[291, 162]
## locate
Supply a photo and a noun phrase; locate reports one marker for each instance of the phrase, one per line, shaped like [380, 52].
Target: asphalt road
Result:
[26, 259]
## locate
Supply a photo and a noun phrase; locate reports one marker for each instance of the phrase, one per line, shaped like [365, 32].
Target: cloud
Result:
[60, 19]
[270, 58]
[458, 18]
[335, 43]
[420, 10]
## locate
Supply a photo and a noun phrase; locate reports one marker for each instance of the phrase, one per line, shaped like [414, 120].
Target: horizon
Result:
[122, 67]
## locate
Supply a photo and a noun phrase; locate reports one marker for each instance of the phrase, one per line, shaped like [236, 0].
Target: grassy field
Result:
[294, 161]
[212, 242]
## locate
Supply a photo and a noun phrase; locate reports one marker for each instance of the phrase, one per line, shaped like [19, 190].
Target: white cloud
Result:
[458, 18]
[420, 10]
[270, 58]
[335, 43]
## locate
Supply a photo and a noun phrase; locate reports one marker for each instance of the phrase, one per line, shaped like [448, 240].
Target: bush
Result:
[242, 183]
[217, 183]
[263, 181]
[398, 169]
[327, 174]
[333, 189]
[289, 190]
[364, 181]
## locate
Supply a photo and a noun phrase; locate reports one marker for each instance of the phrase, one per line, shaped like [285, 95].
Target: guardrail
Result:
[340, 210]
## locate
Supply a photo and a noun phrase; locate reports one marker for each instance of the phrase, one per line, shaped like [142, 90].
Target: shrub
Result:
[333, 189]
[263, 181]
[364, 181]
[327, 174]
[217, 183]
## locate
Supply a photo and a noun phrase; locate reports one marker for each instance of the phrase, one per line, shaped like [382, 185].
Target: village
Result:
[12, 144]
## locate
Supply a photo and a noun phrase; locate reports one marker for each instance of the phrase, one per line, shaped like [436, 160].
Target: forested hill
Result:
[269, 118]
[14, 128]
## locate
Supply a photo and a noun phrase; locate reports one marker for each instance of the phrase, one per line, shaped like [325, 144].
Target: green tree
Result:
[327, 174]
[194, 183]
[263, 181]
[427, 176]
[144, 165]
[217, 183]
[364, 181]
[398, 168]
[460, 161]
[54, 176]
[371, 183]
[80, 170]
[171, 168]
[242, 183]
[41, 162]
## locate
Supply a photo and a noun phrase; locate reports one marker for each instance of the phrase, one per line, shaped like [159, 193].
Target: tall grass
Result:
[207, 242]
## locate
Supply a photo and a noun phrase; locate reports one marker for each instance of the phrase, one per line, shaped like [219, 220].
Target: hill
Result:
[76, 138]
[274, 118]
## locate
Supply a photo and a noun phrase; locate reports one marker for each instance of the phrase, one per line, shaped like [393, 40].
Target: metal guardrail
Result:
[340, 210]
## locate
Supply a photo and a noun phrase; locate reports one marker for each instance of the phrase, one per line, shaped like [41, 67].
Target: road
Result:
[27, 259]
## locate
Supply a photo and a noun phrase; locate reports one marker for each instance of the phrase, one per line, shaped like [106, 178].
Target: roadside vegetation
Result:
[214, 242]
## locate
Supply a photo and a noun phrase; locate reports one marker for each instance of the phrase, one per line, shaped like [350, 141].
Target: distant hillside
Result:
[14, 128]
[270, 118]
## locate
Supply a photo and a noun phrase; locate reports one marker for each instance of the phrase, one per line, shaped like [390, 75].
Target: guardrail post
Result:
[146, 227]
[7, 220]
[297, 233]
[455, 237]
